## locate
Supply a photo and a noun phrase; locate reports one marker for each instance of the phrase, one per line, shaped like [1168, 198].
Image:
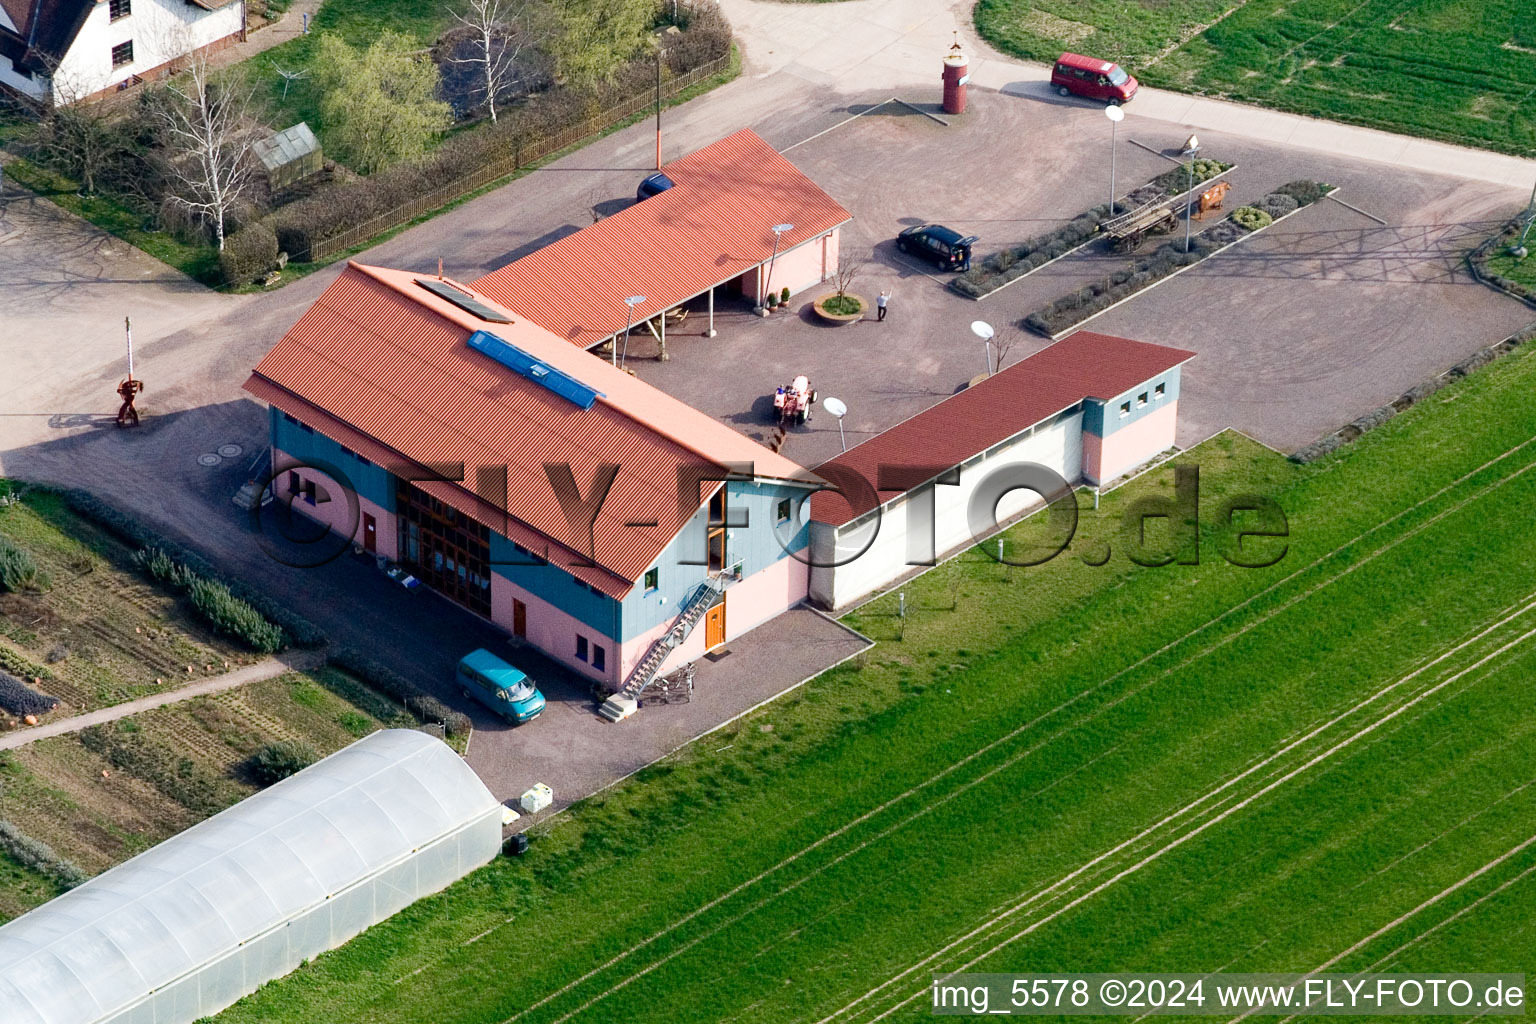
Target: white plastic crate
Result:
[536, 799]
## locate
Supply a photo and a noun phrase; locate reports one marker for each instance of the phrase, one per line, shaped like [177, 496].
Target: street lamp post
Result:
[837, 408]
[630, 304]
[984, 331]
[778, 233]
[1189, 200]
[1115, 115]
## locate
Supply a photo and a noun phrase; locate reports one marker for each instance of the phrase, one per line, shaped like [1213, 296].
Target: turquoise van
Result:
[505, 690]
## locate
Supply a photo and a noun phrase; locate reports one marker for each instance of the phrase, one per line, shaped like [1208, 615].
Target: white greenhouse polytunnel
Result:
[190, 926]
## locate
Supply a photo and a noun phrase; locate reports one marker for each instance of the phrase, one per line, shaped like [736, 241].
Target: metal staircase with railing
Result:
[623, 703]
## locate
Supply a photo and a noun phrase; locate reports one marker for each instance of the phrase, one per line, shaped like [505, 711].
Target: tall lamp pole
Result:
[778, 234]
[1189, 202]
[984, 331]
[630, 304]
[837, 408]
[1115, 115]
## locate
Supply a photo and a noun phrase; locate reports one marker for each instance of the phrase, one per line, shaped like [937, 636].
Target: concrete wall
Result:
[1107, 458]
[898, 541]
[807, 264]
[554, 631]
[331, 506]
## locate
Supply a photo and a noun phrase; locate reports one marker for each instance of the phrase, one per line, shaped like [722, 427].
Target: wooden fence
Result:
[524, 152]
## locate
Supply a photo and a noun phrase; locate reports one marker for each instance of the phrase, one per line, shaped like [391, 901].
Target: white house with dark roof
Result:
[57, 52]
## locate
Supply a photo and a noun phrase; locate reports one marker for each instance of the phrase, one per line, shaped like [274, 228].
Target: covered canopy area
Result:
[715, 226]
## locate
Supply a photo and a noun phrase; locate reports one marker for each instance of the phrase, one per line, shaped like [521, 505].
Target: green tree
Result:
[379, 105]
[595, 37]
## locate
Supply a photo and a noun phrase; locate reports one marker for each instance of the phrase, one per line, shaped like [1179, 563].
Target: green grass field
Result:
[1194, 767]
[1459, 70]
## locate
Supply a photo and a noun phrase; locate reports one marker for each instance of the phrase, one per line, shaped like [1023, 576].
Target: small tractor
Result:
[792, 402]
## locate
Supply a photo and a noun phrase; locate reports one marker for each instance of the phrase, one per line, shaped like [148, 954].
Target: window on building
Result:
[119, 9]
[581, 648]
[122, 54]
[1141, 400]
[1125, 408]
[309, 491]
[599, 656]
[652, 578]
[306, 428]
[293, 483]
[785, 508]
[290, 417]
[1160, 391]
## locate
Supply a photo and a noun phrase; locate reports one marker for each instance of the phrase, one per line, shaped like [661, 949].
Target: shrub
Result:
[17, 569]
[20, 699]
[280, 759]
[1177, 181]
[160, 566]
[394, 685]
[39, 856]
[1277, 204]
[1304, 192]
[1250, 218]
[232, 616]
[248, 254]
[134, 533]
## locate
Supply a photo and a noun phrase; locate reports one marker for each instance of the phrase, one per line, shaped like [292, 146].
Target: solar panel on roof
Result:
[468, 303]
[514, 358]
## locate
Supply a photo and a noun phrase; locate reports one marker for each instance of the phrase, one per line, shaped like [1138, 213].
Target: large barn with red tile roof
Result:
[466, 431]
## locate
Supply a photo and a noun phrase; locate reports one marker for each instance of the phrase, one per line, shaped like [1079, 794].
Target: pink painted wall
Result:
[334, 512]
[1130, 446]
[808, 264]
[748, 604]
[553, 631]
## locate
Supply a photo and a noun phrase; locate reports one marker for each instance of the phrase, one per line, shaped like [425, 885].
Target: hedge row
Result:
[1014, 262]
[1414, 395]
[39, 856]
[214, 602]
[125, 528]
[1074, 307]
[301, 226]
[392, 684]
[1100, 295]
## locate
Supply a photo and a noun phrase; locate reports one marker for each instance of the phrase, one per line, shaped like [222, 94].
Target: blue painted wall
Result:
[754, 545]
[556, 586]
[368, 479]
[1102, 418]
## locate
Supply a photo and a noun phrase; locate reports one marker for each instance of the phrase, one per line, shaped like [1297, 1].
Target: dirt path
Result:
[293, 661]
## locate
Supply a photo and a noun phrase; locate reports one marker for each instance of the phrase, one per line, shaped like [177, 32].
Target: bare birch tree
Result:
[208, 130]
[500, 31]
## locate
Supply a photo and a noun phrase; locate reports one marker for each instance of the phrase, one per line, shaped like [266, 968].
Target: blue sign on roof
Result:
[514, 358]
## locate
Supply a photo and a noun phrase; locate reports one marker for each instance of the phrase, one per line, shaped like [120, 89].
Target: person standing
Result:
[880, 301]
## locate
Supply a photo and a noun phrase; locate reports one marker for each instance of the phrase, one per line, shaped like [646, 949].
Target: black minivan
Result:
[943, 246]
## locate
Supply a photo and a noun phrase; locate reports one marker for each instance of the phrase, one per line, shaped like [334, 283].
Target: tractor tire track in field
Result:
[615, 960]
[968, 944]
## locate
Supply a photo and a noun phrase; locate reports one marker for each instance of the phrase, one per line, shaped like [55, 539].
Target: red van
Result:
[1093, 78]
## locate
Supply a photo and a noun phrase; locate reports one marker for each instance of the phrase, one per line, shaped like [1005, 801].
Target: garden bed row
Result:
[1016, 262]
[1072, 310]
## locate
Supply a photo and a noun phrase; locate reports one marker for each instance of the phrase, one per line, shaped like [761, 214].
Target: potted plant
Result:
[784, 296]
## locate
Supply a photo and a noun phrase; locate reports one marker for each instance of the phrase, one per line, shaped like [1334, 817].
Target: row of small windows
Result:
[1157, 393]
[118, 9]
[593, 654]
[122, 54]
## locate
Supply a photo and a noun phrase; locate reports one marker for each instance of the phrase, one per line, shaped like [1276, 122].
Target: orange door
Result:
[714, 626]
[370, 534]
[519, 618]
